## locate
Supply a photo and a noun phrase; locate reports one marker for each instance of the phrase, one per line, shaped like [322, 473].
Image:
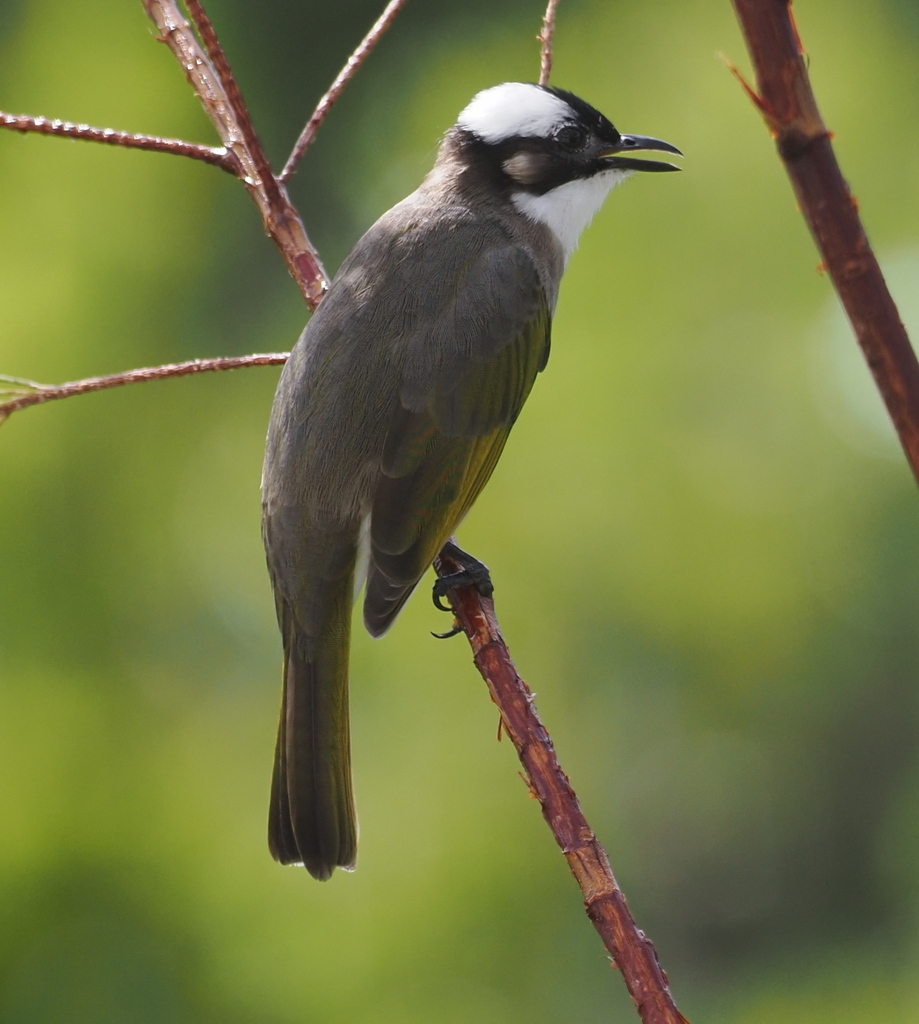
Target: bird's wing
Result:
[468, 369]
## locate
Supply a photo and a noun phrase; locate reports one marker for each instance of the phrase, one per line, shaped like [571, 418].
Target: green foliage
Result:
[703, 538]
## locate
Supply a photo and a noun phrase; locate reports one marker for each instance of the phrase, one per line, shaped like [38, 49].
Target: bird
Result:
[396, 403]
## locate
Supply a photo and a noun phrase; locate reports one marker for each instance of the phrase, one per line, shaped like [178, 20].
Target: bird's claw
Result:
[464, 578]
[472, 573]
[457, 628]
[439, 592]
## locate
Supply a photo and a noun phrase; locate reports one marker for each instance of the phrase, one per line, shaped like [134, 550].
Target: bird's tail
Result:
[311, 820]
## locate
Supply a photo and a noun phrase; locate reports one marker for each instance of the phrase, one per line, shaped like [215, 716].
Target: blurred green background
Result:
[704, 539]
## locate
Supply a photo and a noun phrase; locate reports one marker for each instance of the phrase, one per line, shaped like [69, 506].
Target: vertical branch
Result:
[282, 222]
[235, 99]
[545, 37]
[786, 101]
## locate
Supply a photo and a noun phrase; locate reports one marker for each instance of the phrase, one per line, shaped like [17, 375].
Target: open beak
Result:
[633, 143]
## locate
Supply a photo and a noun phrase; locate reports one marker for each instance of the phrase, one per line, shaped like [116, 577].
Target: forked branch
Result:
[216, 89]
[784, 97]
[208, 72]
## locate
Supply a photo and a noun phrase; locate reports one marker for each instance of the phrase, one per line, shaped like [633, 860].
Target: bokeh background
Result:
[705, 542]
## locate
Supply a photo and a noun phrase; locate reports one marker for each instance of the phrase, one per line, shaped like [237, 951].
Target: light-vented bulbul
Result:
[396, 403]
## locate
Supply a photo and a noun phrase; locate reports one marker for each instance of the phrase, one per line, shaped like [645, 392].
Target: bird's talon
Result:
[457, 628]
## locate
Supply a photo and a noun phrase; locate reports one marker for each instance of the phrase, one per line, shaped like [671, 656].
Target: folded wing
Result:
[468, 371]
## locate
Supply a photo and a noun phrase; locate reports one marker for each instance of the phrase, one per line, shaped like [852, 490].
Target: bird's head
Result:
[553, 155]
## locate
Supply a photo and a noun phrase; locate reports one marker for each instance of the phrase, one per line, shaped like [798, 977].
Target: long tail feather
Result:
[311, 819]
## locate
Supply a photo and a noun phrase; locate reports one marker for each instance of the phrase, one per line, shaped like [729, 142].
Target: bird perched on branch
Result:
[395, 405]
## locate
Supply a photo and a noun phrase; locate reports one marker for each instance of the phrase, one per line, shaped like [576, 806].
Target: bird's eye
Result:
[571, 137]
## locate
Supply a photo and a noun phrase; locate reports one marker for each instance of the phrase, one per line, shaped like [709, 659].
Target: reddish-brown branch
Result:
[26, 393]
[785, 99]
[337, 87]
[213, 82]
[604, 902]
[545, 38]
[217, 156]
[282, 222]
[218, 58]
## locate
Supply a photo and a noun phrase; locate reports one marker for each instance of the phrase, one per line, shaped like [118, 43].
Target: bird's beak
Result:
[632, 143]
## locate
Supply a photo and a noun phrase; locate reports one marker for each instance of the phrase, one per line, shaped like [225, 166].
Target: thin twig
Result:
[282, 222]
[218, 156]
[28, 393]
[604, 902]
[786, 101]
[545, 38]
[337, 87]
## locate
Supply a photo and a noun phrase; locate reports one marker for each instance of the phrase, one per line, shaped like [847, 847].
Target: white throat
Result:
[568, 209]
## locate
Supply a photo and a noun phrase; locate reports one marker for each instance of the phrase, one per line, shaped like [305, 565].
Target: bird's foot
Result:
[472, 573]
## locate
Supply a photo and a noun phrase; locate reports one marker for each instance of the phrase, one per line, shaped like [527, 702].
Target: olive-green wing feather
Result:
[452, 421]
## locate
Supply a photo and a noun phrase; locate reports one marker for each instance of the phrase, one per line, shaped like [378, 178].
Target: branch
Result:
[212, 79]
[16, 393]
[222, 102]
[545, 39]
[217, 156]
[236, 101]
[605, 904]
[785, 99]
[337, 87]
